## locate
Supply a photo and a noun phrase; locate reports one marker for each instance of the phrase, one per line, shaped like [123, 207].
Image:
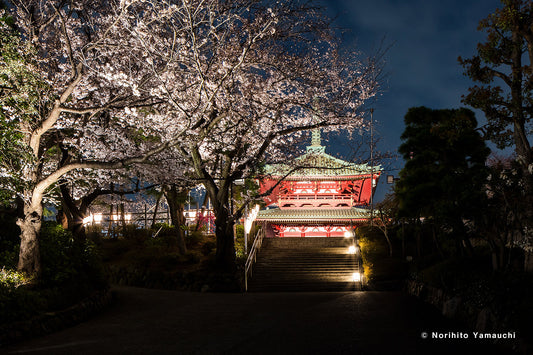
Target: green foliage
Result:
[20, 83]
[445, 174]
[11, 279]
[19, 303]
[66, 260]
[143, 249]
[20, 100]
[371, 250]
[15, 300]
[71, 270]
[9, 241]
[239, 241]
[381, 271]
[195, 238]
[138, 136]
[209, 247]
[132, 233]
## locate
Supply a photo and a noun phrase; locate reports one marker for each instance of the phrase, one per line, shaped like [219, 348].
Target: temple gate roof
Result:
[313, 215]
[316, 163]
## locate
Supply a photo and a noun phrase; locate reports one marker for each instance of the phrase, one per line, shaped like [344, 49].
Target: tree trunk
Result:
[73, 213]
[62, 218]
[494, 252]
[154, 218]
[522, 146]
[176, 204]
[382, 225]
[225, 254]
[436, 241]
[110, 228]
[122, 220]
[528, 261]
[30, 227]
[418, 232]
[386, 234]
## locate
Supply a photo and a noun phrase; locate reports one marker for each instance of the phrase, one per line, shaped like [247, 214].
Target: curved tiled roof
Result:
[316, 163]
[287, 215]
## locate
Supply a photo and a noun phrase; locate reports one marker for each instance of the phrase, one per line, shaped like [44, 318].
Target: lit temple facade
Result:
[326, 197]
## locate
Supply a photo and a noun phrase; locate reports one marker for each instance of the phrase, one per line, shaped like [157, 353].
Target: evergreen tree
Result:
[444, 174]
[502, 67]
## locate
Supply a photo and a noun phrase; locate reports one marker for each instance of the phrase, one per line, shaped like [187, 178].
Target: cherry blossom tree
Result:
[225, 84]
[80, 76]
[248, 78]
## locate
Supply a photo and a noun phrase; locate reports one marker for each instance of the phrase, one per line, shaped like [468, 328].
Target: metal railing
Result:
[358, 268]
[252, 256]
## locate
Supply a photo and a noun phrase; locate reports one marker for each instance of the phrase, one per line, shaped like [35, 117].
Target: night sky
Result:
[425, 39]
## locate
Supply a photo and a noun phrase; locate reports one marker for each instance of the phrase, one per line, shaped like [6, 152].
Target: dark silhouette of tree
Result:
[502, 67]
[444, 175]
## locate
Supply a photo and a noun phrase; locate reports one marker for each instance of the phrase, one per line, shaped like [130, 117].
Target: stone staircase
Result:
[304, 264]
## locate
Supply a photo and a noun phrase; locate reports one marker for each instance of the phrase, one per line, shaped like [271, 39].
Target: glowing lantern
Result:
[356, 277]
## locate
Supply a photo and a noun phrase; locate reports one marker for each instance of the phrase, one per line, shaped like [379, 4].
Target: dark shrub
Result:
[208, 247]
[9, 241]
[66, 260]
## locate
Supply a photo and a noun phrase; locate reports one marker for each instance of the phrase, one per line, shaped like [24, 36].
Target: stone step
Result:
[295, 267]
[294, 274]
[303, 274]
[304, 264]
[305, 242]
[281, 252]
[308, 257]
[274, 262]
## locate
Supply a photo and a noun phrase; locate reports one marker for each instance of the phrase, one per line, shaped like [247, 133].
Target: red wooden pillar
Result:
[279, 229]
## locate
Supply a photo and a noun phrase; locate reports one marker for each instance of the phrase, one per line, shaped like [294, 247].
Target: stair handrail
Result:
[358, 267]
[252, 256]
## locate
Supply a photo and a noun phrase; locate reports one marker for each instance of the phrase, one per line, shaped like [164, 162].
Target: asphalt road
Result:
[144, 321]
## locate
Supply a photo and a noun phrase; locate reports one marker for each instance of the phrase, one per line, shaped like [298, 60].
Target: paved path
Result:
[143, 321]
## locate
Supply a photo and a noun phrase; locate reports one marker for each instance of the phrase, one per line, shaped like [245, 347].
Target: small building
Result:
[317, 196]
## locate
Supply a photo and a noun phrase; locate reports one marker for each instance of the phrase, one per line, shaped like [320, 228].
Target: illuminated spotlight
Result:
[347, 234]
[356, 277]
[87, 220]
[97, 217]
[352, 249]
[127, 217]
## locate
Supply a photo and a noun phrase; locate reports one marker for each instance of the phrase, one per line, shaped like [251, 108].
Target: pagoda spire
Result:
[316, 142]
[315, 138]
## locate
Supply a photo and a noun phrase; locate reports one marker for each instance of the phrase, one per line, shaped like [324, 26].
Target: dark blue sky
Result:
[425, 39]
